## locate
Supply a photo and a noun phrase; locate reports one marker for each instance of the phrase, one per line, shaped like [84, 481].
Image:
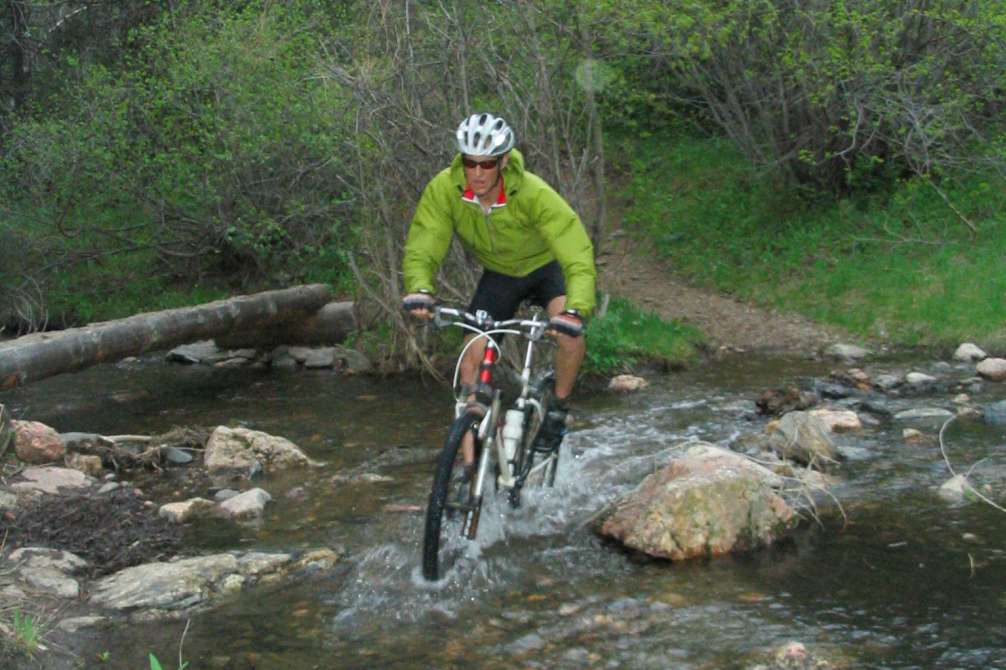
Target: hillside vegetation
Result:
[840, 159]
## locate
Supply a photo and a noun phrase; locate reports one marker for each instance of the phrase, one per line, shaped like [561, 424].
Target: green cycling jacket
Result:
[529, 226]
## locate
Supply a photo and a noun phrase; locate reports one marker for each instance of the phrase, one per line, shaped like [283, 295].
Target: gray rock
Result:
[802, 437]
[919, 379]
[225, 494]
[993, 369]
[323, 357]
[924, 414]
[109, 487]
[248, 505]
[847, 352]
[194, 353]
[955, 489]
[351, 361]
[51, 480]
[177, 456]
[969, 353]
[284, 362]
[237, 450]
[48, 570]
[7, 500]
[74, 624]
[180, 512]
[887, 382]
[995, 413]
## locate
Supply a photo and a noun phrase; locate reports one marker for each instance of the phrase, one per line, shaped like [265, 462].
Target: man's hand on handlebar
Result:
[566, 324]
[419, 305]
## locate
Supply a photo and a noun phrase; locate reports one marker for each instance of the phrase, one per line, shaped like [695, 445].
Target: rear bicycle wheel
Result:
[450, 498]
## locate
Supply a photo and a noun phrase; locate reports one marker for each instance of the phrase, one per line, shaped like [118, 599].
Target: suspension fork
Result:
[486, 432]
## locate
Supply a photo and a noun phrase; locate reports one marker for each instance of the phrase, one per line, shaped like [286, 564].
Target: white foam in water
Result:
[595, 466]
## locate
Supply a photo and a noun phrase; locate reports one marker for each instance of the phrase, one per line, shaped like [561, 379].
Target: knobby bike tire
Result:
[436, 508]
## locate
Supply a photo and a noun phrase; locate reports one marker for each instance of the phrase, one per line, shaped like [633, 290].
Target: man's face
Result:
[482, 172]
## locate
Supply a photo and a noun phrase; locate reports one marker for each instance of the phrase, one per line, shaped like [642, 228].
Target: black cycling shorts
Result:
[501, 294]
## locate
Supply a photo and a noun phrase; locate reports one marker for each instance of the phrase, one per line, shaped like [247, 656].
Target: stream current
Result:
[905, 580]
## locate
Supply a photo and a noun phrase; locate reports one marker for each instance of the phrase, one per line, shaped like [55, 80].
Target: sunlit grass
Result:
[626, 336]
[899, 265]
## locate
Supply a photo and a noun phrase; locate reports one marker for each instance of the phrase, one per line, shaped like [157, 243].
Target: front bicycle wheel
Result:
[451, 498]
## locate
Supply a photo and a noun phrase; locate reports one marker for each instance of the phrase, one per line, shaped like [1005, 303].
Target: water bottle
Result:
[513, 427]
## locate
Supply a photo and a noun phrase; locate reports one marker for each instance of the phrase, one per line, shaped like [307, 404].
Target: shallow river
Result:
[907, 582]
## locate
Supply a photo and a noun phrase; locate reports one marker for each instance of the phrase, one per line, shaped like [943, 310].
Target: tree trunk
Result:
[33, 357]
[329, 325]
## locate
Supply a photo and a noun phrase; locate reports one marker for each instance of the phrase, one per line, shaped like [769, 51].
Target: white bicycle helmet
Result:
[484, 135]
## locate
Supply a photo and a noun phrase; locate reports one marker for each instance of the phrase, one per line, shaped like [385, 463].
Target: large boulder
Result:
[709, 502]
[244, 451]
[803, 437]
[37, 443]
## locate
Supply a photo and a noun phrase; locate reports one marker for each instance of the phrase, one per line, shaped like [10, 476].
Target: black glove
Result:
[567, 323]
[420, 303]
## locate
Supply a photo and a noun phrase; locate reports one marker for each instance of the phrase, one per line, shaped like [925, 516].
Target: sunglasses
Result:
[485, 165]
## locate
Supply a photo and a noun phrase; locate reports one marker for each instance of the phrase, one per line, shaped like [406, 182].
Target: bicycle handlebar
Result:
[449, 316]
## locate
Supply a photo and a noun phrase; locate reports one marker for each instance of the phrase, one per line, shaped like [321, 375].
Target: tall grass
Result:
[900, 264]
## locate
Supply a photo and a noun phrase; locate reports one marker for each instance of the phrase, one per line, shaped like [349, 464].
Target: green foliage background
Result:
[842, 158]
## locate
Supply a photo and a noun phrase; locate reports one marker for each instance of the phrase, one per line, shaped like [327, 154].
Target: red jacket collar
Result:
[469, 195]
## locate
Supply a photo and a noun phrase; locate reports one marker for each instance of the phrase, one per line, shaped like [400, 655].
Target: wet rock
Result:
[283, 361]
[956, 489]
[832, 391]
[7, 500]
[888, 382]
[74, 624]
[180, 512]
[993, 369]
[37, 443]
[913, 436]
[88, 464]
[838, 421]
[919, 379]
[51, 480]
[804, 438]
[177, 456]
[709, 502]
[627, 383]
[248, 505]
[924, 414]
[238, 450]
[775, 402]
[320, 358]
[194, 353]
[225, 494]
[350, 361]
[847, 352]
[995, 413]
[853, 377]
[48, 570]
[181, 584]
[969, 353]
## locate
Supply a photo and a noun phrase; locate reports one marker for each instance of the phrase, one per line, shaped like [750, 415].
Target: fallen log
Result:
[33, 357]
[329, 325]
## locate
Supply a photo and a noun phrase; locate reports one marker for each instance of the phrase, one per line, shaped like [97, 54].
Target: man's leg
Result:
[468, 374]
[568, 354]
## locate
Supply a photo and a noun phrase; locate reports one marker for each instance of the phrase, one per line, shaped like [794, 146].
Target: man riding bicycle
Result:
[530, 242]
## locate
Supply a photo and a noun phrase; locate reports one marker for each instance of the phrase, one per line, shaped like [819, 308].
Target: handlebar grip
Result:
[566, 328]
[417, 303]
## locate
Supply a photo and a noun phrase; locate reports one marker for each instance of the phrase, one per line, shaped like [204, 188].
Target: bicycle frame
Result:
[531, 330]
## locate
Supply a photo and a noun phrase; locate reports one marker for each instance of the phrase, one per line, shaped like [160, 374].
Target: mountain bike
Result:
[504, 440]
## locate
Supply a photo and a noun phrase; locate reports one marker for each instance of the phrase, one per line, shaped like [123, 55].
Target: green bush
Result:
[211, 155]
[626, 336]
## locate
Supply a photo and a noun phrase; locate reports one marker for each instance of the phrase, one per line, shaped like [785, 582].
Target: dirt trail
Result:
[626, 269]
